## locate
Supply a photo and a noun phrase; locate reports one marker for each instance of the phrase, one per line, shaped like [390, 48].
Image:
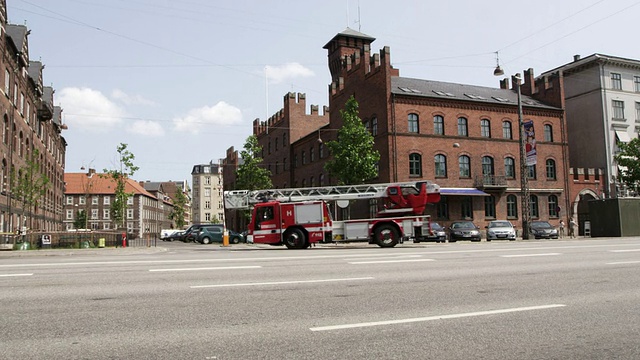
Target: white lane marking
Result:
[391, 257]
[280, 282]
[208, 268]
[628, 250]
[527, 255]
[437, 317]
[8, 275]
[388, 261]
[623, 262]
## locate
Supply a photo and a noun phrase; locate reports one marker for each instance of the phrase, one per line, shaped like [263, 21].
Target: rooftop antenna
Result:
[358, 16]
[347, 13]
[266, 95]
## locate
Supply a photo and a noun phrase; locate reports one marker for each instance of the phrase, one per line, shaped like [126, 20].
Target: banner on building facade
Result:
[530, 146]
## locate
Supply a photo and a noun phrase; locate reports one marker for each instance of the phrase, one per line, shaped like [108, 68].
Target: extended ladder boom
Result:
[244, 199]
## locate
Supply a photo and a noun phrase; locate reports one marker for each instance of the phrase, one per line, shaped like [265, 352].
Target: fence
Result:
[73, 240]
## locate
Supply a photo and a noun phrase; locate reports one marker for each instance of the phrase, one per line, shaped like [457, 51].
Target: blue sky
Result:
[181, 81]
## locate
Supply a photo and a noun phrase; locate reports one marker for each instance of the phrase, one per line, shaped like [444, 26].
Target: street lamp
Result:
[524, 181]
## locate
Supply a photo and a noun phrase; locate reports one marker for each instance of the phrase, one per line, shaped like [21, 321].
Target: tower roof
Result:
[348, 32]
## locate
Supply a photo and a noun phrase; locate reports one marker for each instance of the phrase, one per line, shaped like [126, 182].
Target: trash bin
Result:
[101, 242]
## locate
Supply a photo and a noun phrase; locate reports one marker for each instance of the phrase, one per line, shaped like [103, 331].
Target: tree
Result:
[629, 157]
[354, 159]
[81, 220]
[177, 213]
[30, 185]
[120, 176]
[250, 175]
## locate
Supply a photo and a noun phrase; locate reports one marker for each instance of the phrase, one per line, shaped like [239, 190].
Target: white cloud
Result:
[88, 109]
[279, 74]
[127, 99]
[146, 128]
[221, 114]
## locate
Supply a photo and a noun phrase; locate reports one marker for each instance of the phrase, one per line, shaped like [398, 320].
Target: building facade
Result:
[31, 144]
[465, 138]
[207, 187]
[92, 193]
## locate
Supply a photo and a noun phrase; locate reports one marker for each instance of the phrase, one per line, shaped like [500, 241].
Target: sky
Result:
[181, 81]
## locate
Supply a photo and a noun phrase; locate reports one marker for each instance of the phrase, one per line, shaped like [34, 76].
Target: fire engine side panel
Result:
[308, 215]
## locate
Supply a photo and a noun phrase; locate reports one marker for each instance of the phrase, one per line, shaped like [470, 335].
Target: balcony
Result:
[490, 182]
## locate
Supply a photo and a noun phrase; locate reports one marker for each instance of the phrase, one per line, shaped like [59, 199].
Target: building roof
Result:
[17, 34]
[452, 91]
[579, 63]
[348, 32]
[98, 184]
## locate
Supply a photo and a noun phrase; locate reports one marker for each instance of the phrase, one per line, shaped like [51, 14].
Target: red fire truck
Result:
[299, 217]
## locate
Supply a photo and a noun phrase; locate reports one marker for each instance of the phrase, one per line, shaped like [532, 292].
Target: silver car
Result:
[500, 229]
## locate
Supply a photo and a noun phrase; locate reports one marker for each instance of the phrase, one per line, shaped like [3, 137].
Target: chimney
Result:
[576, 57]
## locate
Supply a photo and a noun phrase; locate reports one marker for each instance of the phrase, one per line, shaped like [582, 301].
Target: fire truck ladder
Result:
[245, 199]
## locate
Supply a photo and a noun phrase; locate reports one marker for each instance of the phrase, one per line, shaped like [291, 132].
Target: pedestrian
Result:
[572, 228]
[561, 228]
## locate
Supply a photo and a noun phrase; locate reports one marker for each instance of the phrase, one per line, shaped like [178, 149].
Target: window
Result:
[531, 172]
[304, 157]
[616, 81]
[438, 125]
[69, 214]
[269, 147]
[462, 127]
[509, 168]
[441, 165]
[465, 166]
[105, 226]
[442, 208]
[277, 141]
[415, 165]
[551, 169]
[295, 161]
[637, 111]
[106, 214]
[413, 123]
[485, 128]
[311, 155]
[304, 182]
[207, 217]
[82, 200]
[129, 213]
[487, 166]
[94, 200]
[277, 167]
[512, 206]
[553, 206]
[107, 200]
[636, 83]
[69, 200]
[7, 82]
[207, 180]
[548, 133]
[321, 150]
[312, 181]
[533, 205]
[207, 192]
[207, 204]
[506, 130]
[467, 207]
[374, 126]
[284, 164]
[94, 214]
[284, 139]
[618, 109]
[490, 207]
[321, 180]
[130, 200]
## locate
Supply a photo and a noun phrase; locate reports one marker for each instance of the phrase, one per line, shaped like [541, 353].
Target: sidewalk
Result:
[80, 252]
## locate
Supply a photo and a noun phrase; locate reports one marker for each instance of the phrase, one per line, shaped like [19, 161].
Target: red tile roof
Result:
[79, 183]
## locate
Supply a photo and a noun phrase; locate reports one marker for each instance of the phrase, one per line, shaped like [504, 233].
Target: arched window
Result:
[506, 130]
[509, 168]
[312, 181]
[304, 182]
[415, 164]
[312, 156]
[284, 139]
[304, 157]
[321, 180]
[462, 127]
[548, 133]
[374, 126]
[533, 206]
[490, 207]
[438, 125]
[551, 169]
[512, 206]
[553, 206]
[531, 172]
[485, 128]
[413, 123]
[465, 166]
[487, 166]
[441, 165]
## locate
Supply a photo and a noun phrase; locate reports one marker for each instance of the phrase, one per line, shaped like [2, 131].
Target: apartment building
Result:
[207, 199]
[31, 141]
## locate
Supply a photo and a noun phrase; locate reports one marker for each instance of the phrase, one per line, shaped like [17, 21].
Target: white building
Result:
[207, 203]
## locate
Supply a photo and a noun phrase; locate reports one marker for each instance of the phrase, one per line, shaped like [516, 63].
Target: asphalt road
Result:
[574, 299]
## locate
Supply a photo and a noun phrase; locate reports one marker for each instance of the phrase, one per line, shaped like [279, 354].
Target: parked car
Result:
[463, 230]
[543, 230]
[175, 236]
[438, 234]
[500, 229]
[208, 234]
[191, 233]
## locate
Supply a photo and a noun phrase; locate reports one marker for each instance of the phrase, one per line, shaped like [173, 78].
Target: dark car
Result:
[543, 230]
[438, 234]
[463, 230]
[175, 236]
[191, 233]
[208, 234]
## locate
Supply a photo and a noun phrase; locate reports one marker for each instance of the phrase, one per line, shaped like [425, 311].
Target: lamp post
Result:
[524, 181]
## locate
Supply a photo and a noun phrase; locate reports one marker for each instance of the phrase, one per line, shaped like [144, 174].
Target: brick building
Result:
[30, 124]
[463, 137]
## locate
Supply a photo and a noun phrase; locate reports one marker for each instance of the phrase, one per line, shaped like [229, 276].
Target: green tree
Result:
[125, 169]
[250, 175]
[81, 220]
[177, 213]
[30, 185]
[629, 157]
[353, 159]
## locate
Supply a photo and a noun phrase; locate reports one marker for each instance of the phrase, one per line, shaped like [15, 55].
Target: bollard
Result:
[101, 242]
[225, 238]
[124, 240]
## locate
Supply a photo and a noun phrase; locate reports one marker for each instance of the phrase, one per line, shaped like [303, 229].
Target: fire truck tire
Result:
[386, 236]
[295, 239]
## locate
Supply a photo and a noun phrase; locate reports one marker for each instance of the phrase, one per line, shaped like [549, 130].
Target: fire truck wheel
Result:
[386, 236]
[294, 239]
